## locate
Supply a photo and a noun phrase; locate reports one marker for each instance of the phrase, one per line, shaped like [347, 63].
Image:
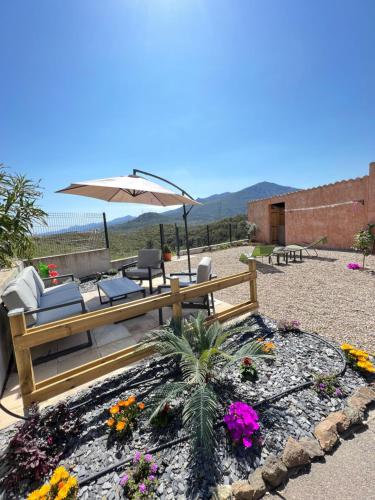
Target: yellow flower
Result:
[120, 426]
[34, 495]
[115, 409]
[110, 422]
[362, 354]
[346, 347]
[44, 490]
[141, 406]
[59, 474]
[63, 493]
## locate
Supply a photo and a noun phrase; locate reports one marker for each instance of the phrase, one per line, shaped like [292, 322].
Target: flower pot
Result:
[167, 256]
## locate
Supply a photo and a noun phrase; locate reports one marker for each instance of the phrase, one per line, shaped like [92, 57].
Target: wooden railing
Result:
[25, 338]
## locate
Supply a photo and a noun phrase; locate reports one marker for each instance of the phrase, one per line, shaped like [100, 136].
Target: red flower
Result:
[247, 361]
[52, 266]
[53, 274]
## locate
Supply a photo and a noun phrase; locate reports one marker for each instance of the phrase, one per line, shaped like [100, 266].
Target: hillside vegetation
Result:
[124, 243]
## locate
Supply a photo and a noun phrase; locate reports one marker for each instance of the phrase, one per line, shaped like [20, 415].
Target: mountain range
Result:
[214, 207]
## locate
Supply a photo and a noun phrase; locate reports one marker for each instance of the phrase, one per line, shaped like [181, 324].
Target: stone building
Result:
[337, 211]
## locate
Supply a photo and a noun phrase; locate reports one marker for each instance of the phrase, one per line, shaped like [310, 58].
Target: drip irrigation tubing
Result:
[279, 395]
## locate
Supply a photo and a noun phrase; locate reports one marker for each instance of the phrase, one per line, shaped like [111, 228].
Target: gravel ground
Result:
[298, 357]
[320, 292]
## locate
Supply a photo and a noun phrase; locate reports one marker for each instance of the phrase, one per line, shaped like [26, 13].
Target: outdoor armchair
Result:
[203, 273]
[42, 305]
[148, 266]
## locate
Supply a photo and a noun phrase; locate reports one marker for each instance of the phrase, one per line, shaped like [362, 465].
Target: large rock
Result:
[242, 490]
[357, 402]
[341, 420]
[354, 415]
[312, 448]
[294, 454]
[367, 393]
[257, 484]
[222, 492]
[325, 432]
[274, 471]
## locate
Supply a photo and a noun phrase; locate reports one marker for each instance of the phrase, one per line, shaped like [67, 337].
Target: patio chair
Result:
[42, 305]
[203, 274]
[148, 266]
[263, 251]
[307, 246]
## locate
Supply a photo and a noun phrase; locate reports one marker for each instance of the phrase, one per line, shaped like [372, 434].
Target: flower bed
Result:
[298, 358]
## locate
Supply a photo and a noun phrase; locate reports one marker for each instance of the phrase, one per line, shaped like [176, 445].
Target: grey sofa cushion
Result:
[60, 313]
[53, 290]
[19, 295]
[139, 273]
[60, 297]
[31, 278]
[149, 257]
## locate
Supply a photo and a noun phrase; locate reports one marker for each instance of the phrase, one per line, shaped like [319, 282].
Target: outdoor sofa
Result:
[42, 305]
[148, 266]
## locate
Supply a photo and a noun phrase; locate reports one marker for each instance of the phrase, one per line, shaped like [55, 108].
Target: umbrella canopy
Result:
[128, 189]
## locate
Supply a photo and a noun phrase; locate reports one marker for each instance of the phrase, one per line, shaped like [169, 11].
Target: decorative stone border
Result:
[276, 470]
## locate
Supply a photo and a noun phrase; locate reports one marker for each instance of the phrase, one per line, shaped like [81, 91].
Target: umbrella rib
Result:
[162, 204]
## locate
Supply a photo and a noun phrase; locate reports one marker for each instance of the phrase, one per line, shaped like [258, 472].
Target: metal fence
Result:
[72, 232]
[69, 232]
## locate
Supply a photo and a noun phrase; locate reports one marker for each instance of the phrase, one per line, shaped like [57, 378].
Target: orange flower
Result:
[61, 484]
[110, 422]
[115, 409]
[122, 403]
[120, 426]
[132, 399]
[141, 406]
[268, 346]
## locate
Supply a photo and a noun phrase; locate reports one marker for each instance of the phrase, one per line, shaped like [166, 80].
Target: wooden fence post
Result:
[22, 356]
[175, 289]
[253, 282]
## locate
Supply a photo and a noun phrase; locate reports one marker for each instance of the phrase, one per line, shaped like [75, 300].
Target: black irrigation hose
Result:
[304, 385]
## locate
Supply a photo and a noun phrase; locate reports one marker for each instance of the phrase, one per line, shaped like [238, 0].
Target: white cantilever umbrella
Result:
[129, 189]
[134, 189]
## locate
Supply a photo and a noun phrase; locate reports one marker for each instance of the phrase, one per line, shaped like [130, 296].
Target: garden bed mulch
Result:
[298, 357]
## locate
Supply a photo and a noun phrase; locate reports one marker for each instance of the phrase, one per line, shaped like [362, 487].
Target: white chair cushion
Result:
[19, 295]
[60, 297]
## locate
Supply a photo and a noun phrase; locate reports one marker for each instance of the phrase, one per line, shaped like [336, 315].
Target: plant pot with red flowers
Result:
[167, 253]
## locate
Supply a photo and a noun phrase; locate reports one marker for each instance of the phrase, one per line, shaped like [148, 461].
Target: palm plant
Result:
[203, 353]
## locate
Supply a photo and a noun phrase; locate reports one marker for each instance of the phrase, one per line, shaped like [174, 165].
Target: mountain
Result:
[214, 207]
[121, 220]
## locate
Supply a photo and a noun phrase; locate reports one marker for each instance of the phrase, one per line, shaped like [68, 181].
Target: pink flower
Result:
[353, 266]
[242, 422]
[123, 480]
[154, 468]
[137, 457]
[142, 488]
[148, 458]
[151, 477]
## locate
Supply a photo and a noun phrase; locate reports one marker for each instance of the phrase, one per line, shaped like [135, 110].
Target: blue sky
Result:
[214, 94]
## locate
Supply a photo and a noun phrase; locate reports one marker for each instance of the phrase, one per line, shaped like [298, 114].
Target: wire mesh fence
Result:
[68, 233]
[72, 232]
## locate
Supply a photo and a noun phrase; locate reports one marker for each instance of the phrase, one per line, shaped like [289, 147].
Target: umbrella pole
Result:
[187, 238]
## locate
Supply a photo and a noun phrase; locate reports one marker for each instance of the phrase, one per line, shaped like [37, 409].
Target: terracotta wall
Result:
[322, 211]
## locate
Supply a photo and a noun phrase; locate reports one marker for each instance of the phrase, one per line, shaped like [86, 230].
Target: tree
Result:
[203, 353]
[364, 242]
[18, 213]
